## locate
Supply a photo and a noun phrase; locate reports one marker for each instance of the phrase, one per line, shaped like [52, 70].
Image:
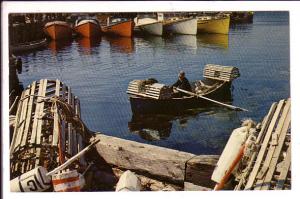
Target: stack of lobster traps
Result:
[48, 129]
[222, 73]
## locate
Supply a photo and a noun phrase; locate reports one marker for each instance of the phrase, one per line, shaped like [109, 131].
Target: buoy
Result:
[34, 180]
[66, 181]
[231, 154]
[128, 182]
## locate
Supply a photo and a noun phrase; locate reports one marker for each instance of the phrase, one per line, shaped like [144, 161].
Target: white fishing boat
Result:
[185, 26]
[150, 24]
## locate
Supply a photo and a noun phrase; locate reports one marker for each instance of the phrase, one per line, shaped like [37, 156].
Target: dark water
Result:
[99, 72]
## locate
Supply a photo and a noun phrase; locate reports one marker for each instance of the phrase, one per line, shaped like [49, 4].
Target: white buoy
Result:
[231, 151]
[128, 182]
[34, 180]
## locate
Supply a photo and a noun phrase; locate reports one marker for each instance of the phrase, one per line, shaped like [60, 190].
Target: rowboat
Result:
[28, 46]
[57, 30]
[87, 28]
[175, 25]
[213, 24]
[147, 98]
[120, 27]
[150, 25]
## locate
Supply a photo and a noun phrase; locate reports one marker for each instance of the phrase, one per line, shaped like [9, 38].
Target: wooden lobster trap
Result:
[48, 129]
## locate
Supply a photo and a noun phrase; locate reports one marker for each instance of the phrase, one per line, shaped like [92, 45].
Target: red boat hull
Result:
[58, 31]
[88, 30]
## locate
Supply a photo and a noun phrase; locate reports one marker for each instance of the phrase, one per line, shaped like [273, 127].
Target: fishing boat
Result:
[87, 28]
[28, 46]
[213, 24]
[57, 30]
[149, 96]
[150, 24]
[241, 17]
[176, 25]
[120, 27]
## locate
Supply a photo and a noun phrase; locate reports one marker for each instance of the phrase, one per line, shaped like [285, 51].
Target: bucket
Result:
[34, 180]
[66, 181]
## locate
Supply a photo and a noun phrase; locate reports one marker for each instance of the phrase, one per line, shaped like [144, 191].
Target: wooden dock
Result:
[268, 167]
[183, 169]
[48, 129]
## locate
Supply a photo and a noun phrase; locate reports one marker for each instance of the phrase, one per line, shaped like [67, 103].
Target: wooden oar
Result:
[211, 100]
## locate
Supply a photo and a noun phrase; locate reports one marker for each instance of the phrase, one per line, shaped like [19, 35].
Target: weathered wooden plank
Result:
[260, 184]
[263, 148]
[159, 162]
[55, 114]
[199, 170]
[12, 145]
[36, 114]
[28, 119]
[21, 124]
[266, 124]
[284, 170]
[286, 125]
[39, 132]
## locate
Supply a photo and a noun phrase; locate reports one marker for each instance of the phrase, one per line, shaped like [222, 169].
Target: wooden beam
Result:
[161, 163]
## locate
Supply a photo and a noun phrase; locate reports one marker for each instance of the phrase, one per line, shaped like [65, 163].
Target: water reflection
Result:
[217, 40]
[56, 46]
[153, 127]
[184, 40]
[150, 127]
[87, 44]
[121, 44]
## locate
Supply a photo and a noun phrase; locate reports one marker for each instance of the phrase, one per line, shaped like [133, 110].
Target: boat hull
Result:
[153, 28]
[185, 27]
[88, 29]
[219, 26]
[28, 46]
[142, 105]
[124, 29]
[58, 31]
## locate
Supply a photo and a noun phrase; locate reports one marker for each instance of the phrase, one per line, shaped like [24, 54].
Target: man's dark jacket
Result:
[184, 84]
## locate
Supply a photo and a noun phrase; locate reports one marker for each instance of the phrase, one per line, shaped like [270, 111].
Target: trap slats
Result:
[222, 73]
[46, 133]
[29, 114]
[269, 167]
[263, 148]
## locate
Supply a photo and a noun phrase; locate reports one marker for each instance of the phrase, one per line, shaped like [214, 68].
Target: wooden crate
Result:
[45, 134]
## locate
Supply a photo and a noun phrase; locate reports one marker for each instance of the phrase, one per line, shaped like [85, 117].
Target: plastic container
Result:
[32, 181]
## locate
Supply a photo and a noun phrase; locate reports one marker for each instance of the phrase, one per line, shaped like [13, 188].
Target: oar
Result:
[211, 100]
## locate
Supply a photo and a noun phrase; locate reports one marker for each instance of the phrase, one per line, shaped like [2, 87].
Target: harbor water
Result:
[99, 70]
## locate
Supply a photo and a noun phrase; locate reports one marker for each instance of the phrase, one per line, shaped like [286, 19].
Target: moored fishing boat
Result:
[120, 27]
[186, 26]
[151, 97]
[87, 28]
[150, 25]
[33, 45]
[213, 24]
[57, 30]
